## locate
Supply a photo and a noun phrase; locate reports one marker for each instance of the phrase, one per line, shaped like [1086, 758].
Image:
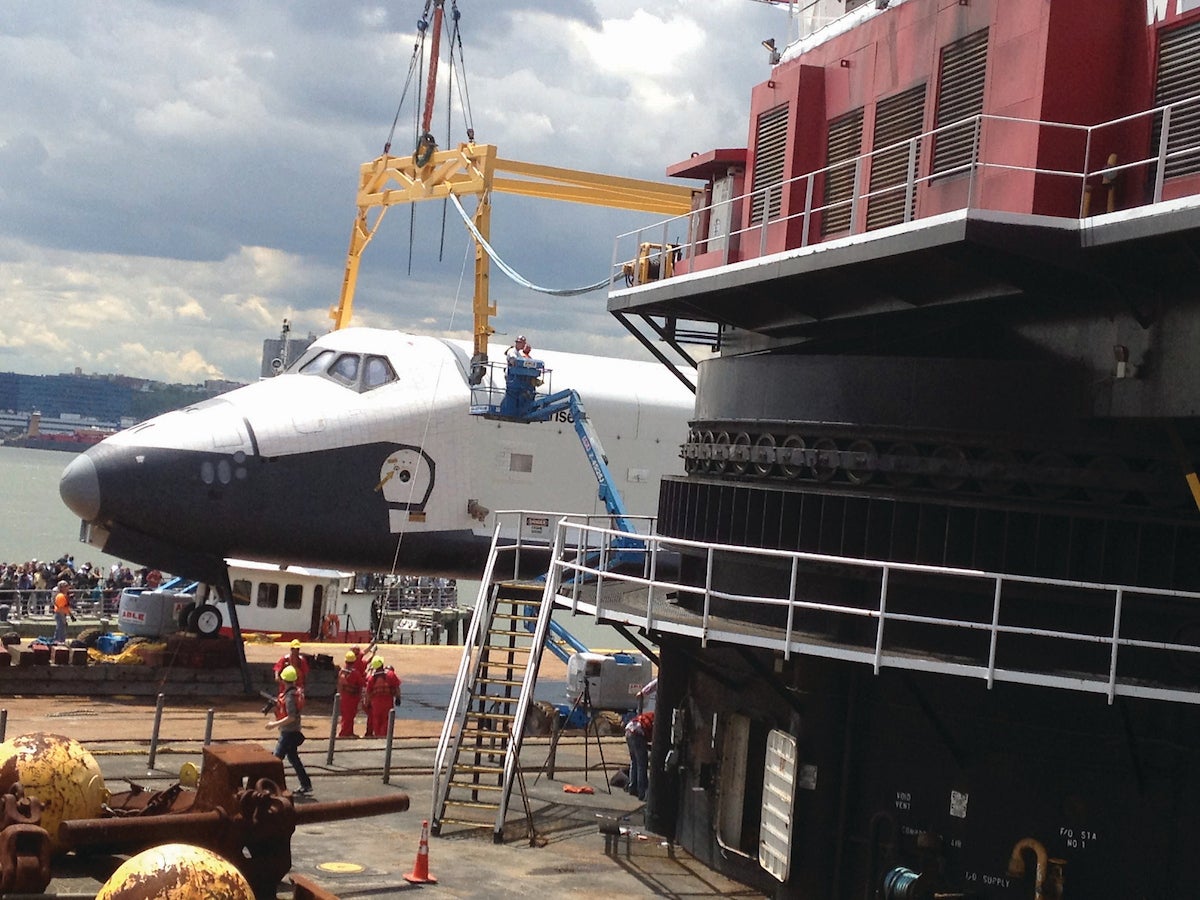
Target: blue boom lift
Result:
[521, 402]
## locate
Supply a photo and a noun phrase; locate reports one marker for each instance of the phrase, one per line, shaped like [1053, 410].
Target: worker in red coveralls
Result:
[362, 659]
[297, 662]
[383, 693]
[350, 684]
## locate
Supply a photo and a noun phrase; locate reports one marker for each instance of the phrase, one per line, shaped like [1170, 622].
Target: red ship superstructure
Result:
[940, 528]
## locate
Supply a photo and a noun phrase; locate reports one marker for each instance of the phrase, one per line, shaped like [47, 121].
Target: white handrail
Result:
[790, 639]
[987, 155]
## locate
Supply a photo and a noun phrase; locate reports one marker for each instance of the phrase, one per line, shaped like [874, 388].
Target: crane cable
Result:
[454, 39]
[412, 488]
[415, 64]
[512, 273]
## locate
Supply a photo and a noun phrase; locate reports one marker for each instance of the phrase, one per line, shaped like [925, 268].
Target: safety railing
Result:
[1017, 633]
[808, 17]
[16, 603]
[519, 532]
[1079, 168]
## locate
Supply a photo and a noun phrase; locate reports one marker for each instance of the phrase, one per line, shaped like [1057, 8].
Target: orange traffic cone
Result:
[420, 873]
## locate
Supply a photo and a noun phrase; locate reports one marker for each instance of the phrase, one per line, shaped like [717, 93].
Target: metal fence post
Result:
[158, 711]
[208, 727]
[387, 750]
[333, 723]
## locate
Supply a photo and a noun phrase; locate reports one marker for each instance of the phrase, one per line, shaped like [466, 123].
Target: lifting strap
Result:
[513, 274]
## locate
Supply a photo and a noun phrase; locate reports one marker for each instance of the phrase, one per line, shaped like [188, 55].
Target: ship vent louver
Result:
[897, 118]
[770, 154]
[960, 96]
[1179, 79]
[845, 143]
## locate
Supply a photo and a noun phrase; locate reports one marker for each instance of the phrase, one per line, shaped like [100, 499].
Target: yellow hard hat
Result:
[289, 673]
[351, 656]
[377, 662]
[295, 645]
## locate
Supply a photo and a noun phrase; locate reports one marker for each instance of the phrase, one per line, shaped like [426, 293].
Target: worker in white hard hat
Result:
[520, 349]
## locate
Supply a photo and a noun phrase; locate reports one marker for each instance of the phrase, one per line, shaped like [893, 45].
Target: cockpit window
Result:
[318, 364]
[345, 369]
[356, 372]
[378, 371]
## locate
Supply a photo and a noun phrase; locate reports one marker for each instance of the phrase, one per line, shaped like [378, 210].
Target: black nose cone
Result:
[79, 488]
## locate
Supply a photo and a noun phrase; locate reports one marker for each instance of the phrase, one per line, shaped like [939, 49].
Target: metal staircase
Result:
[478, 755]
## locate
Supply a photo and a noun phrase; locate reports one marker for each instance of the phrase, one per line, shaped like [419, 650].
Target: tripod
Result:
[591, 728]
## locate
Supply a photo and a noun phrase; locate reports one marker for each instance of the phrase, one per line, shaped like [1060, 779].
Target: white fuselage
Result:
[316, 467]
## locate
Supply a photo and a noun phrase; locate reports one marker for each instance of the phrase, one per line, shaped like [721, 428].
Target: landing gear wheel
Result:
[1000, 463]
[905, 459]
[1099, 471]
[1054, 485]
[952, 459]
[207, 620]
[764, 454]
[739, 454]
[721, 452]
[706, 453]
[793, 447]
[863, 460]
[825, 463]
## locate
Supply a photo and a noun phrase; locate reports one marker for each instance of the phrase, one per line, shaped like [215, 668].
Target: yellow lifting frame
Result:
[473, 169]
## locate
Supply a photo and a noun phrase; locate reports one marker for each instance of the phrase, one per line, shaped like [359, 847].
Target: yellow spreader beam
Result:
[476, 169]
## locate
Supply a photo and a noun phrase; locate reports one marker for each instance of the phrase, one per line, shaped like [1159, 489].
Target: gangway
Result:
[478, 755]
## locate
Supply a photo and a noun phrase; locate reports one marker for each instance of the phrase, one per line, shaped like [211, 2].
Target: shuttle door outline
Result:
[406, 479]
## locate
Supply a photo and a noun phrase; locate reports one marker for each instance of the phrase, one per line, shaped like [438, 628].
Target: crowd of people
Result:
[29, 588]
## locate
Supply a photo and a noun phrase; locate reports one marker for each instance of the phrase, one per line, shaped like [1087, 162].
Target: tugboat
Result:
[937, 631]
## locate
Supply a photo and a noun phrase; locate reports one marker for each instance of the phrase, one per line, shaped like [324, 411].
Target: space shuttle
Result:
[364, 456]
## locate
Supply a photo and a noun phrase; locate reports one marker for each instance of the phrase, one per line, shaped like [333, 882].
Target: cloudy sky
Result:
[177, 177]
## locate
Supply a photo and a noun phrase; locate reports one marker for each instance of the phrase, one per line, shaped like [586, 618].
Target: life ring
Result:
[330, 627]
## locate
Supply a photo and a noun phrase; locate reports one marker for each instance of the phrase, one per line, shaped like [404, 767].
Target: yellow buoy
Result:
[176, 872]
[59, 772]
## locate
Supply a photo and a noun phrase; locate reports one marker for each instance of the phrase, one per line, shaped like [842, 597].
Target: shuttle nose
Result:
[79, 488]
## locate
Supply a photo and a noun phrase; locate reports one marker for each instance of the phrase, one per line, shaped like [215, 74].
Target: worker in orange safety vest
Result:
[62, 609]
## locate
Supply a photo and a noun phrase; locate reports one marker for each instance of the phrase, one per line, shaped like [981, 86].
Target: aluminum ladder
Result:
[478, 755]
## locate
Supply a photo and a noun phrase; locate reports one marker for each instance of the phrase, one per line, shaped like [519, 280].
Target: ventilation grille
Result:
[770, 153]
[845, 143]
[960, 96]
[1179, 79]
[897, 118]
